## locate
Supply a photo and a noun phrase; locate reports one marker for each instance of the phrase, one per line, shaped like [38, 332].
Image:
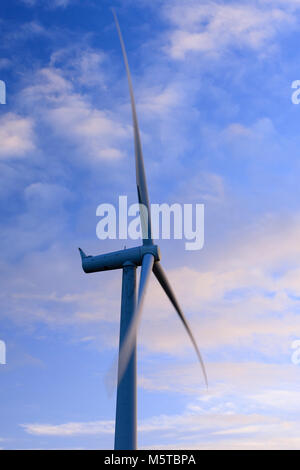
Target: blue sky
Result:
[212, 81]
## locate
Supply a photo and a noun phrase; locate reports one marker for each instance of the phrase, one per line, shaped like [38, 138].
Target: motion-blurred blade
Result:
[139, 161]
[130, 340]
[162, 279]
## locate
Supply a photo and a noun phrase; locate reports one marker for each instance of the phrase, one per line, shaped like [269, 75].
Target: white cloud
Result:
[230, 381]
[158, 101]
[47, 3]
[70, 429]
[211, 27]
[188, 422]
[16, 136]
[237, 301]
[288, 400]
[192, 431]
[262, 129]
[94, 133]
[85, 65]
[62, 294]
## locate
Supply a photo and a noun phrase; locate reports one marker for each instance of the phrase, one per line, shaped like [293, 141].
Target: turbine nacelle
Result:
[118, 259]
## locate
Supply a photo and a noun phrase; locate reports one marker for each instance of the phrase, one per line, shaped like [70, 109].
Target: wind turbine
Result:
[148, 257]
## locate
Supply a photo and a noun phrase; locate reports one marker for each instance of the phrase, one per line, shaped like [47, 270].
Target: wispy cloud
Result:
[16, 135]
[191, 431]
[213, 27]
[239, 301]
[92, 132]
[71, 429]
[48, 3]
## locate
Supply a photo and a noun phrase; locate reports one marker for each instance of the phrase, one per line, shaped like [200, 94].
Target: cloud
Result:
[16, 136]
[289, 400]
[46, 195]
[238, 300]
[161, 423]
[160, 101]
[259, 132]
[42, 221]
[191, 431]
[203, 187]
[85, 65]
[31, 28]
[47, 3]
[234, 413]
[245, 300]
[70, 429]
[234, 384]
[96, 134]
[199, 27]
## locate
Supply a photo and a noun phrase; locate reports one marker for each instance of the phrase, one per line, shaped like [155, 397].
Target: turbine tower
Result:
[148, 257]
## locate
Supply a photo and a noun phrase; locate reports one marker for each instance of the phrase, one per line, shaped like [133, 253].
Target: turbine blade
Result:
[130, 340]
[141, 183]
[162, 279]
